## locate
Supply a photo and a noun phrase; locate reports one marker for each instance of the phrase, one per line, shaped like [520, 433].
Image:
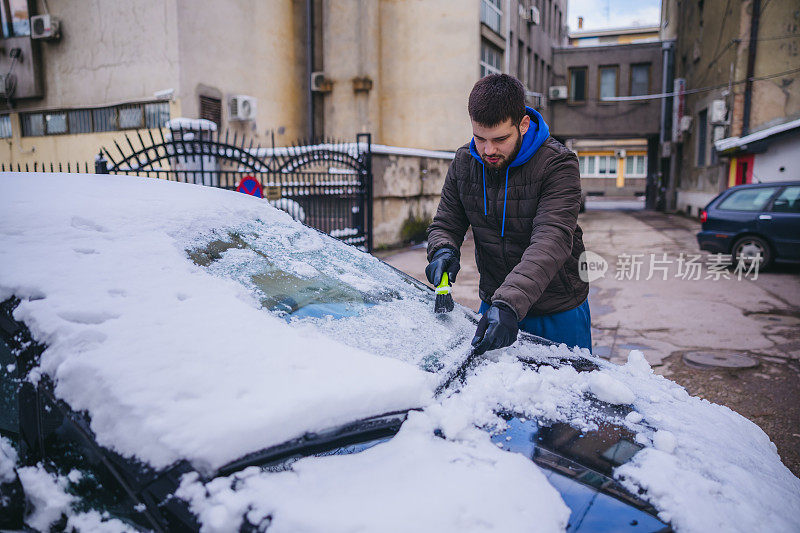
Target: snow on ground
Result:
[414, 482]
[183, 363]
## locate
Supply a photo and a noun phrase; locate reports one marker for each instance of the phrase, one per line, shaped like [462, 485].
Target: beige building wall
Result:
[421, 58]
[249, 47]
[430, 59]
[776, 99]
[118, 52]
[109, 52]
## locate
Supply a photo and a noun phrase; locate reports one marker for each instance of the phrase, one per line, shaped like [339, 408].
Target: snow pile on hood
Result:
[414, 482]
[182, 364]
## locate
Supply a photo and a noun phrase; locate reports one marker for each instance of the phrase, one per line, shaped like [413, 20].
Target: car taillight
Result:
[703, 215]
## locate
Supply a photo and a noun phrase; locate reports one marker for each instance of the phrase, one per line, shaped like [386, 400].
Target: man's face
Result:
[498, 145]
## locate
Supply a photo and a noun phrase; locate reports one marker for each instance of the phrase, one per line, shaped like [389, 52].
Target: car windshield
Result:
[310, 280]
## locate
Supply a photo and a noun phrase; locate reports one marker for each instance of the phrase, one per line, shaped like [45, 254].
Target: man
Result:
[520, 191]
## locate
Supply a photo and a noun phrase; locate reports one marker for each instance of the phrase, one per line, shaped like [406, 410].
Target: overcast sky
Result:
[601, 14]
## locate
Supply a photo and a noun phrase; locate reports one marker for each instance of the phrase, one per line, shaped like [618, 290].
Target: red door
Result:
[744, 169]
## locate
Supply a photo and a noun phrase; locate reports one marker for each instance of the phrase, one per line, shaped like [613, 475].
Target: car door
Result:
[781, 222]
[738, 212]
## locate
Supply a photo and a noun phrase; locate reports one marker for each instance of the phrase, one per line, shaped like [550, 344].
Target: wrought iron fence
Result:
[326, 185]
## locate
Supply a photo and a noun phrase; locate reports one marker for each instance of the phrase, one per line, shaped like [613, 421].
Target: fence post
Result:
[100, 164]
[367, 158]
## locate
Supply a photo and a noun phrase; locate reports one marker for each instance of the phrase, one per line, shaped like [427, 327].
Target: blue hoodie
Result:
[537, 133]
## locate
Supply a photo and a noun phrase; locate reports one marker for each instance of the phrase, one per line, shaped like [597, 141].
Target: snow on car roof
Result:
[170, 361]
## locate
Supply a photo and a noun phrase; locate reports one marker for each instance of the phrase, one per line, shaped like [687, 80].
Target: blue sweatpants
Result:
[572, 327]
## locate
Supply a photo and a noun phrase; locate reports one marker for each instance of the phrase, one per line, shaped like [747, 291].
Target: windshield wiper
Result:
[379, 427]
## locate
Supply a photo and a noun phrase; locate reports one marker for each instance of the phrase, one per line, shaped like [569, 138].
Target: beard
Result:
[504, 161]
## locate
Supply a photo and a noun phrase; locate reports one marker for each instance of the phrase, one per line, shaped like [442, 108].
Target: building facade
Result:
[737, 66]
[399, 69]
[616, 140]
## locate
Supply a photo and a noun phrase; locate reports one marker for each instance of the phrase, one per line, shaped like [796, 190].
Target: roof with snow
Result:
[740, 143]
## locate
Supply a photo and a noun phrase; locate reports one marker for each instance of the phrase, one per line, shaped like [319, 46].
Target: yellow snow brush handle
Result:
[444, 286]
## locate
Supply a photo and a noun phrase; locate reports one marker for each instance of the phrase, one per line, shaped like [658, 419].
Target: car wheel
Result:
[748, 248]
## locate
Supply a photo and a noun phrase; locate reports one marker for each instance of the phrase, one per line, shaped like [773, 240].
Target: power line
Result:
[692, 91]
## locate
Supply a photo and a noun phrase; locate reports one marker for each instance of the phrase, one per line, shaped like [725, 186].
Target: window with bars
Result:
[491, 59]
[211, 109]
[5, 126]
[101, 119]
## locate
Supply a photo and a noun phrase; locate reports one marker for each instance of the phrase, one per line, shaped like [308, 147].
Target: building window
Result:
[608, 81]
[5, 126]
[491, 14]
[640, 79]
[587, 165]
[702, 130]
[491, 59]
[55, 123]
[636, 166]
[577, 84]
[126, 116]
[598, 166]
[80, 121]
[32, 124]
[156, 115]
[211, 109]
[15, 18]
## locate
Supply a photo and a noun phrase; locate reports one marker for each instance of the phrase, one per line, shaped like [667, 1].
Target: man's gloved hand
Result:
[444, 260]
[497, 328]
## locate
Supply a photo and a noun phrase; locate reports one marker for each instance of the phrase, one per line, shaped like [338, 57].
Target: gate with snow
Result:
[326, 185]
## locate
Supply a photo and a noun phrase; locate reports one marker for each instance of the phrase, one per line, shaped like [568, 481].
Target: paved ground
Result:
[717, 315]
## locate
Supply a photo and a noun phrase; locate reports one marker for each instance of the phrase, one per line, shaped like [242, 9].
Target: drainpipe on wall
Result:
[310, 66]
[751, 63]
[507, 54]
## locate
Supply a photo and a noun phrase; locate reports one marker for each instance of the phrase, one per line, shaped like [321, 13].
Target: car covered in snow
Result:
[177, 357]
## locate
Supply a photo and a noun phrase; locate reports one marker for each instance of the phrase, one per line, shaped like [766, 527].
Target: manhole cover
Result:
[720, 359]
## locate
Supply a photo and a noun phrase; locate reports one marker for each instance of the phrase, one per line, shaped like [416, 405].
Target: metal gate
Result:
[326, 185]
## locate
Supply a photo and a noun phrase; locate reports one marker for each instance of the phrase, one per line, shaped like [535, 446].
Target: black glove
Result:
[444, 260]
[497, 328]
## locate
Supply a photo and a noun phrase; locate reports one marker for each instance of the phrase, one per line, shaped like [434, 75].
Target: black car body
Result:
[754, 219]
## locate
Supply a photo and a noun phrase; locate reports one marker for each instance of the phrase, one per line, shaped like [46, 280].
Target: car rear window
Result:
[748, 199]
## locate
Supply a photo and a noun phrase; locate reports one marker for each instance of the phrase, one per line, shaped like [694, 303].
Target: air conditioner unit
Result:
[533, 18]
[557, 92]
[686, 123]
[319, 83]
[719, 112]
[45, 27]
[243, 107]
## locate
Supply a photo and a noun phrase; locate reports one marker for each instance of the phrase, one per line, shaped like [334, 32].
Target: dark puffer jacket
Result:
[528, 258]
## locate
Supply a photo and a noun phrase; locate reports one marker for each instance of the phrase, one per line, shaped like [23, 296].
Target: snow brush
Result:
[444, 300]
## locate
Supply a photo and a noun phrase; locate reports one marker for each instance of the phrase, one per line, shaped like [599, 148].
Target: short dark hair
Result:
[496, 98]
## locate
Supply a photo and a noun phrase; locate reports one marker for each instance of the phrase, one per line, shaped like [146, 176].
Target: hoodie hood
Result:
[537, 133]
